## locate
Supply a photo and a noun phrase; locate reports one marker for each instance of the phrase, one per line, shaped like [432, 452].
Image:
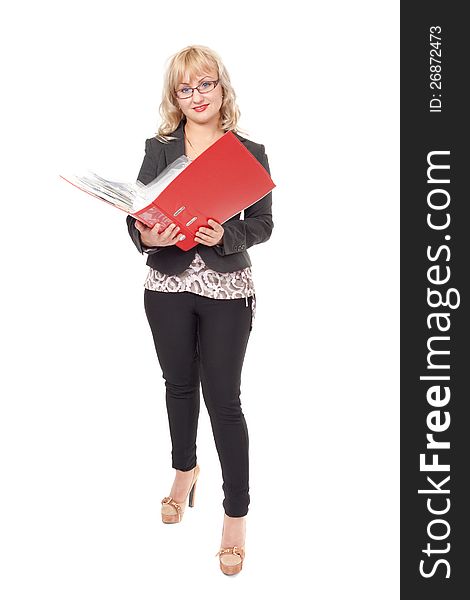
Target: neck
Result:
[203, 132]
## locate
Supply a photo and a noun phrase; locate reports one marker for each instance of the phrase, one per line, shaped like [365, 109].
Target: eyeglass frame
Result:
[216, 81]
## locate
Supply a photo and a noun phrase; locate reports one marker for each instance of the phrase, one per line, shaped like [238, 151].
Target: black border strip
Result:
[434, 254]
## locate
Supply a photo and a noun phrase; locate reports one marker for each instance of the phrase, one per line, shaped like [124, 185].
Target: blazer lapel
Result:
[175, 148]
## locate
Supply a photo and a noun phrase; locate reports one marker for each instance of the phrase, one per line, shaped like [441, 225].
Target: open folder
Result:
[221, 182]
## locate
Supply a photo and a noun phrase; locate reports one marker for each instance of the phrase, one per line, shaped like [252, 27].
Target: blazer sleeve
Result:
[255, 228]
[147, 173]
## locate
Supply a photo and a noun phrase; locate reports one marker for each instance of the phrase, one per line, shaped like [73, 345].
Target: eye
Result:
[185, 90]
[205, 83]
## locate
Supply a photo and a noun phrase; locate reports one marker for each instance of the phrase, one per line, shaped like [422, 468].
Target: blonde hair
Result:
[193, 60]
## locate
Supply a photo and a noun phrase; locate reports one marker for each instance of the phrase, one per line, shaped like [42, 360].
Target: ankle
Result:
[234, 520]
[233, 531]
[183, 475]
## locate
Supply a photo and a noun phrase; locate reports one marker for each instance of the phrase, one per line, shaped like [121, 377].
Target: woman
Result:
[200, 304]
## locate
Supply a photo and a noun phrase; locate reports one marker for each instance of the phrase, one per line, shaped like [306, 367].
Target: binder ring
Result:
[175, 214]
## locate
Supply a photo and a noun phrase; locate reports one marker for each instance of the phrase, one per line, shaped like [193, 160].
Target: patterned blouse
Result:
[199, 279]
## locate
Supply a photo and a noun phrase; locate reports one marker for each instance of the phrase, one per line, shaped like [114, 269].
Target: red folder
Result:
[221, 182]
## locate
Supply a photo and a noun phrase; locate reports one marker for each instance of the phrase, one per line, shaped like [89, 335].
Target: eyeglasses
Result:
[202, 88]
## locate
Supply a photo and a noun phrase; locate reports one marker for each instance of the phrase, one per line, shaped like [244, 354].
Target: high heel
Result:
[231, 559]
[172, 512]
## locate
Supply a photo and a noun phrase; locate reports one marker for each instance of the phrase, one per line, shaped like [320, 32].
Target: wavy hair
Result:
[194, 59]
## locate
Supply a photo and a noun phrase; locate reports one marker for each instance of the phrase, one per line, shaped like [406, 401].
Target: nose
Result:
[198, 98]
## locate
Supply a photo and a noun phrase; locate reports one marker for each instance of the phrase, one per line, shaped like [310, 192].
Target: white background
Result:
[84, 440]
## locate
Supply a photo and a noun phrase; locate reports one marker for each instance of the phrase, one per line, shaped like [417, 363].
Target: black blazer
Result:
[239, 234]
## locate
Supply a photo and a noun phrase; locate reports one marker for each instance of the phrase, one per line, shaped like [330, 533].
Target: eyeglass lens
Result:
[204, 87]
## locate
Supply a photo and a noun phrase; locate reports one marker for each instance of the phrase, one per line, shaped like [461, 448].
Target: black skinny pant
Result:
[200, 340]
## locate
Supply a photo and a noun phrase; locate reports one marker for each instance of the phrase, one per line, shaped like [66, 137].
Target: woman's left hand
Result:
[210, 236]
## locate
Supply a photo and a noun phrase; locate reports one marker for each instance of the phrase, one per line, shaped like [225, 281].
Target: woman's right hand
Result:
[150, 236]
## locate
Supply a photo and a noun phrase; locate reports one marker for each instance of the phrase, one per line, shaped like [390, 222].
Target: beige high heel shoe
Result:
[172, 512]
[231, 558]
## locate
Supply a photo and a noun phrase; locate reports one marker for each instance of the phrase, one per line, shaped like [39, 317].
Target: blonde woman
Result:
[200, 304]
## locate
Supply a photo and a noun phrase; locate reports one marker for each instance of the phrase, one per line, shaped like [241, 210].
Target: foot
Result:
[234, 532]
[181, 485]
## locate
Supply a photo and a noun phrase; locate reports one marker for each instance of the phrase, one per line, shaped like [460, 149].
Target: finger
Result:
[206, 240]
[206, 236]
[176, 231]
[208, 230]
[175, 234]
[216, 227]
[168, 233]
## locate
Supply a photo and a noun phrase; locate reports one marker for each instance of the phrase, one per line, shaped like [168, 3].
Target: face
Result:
[213, 99]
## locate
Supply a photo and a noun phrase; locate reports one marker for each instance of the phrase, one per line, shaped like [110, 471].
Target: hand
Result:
[150, 236]
[210, 236]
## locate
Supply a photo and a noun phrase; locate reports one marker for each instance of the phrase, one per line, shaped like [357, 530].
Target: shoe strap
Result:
[169, 500]
[233, 550]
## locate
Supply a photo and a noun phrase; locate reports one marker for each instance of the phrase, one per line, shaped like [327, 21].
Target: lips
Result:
[200, 108]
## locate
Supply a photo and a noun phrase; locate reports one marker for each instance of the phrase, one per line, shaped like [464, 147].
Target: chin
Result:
[200, 117]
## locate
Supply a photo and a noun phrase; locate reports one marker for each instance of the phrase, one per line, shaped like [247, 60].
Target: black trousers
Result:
[200, 340]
